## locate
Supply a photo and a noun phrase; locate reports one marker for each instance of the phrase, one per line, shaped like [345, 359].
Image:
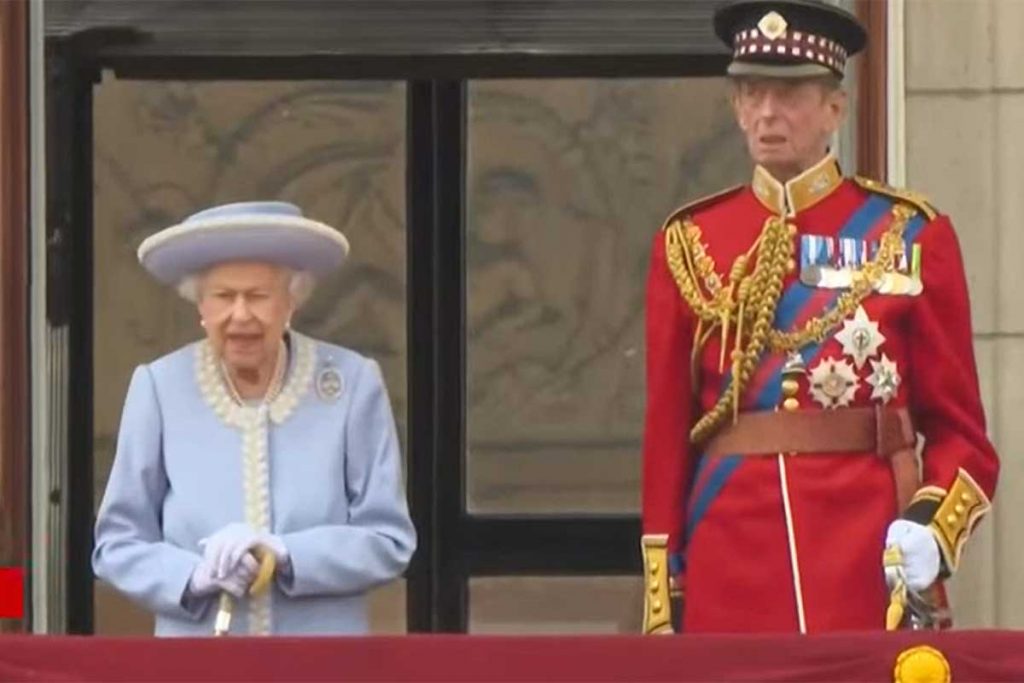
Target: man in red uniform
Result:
[802, 331]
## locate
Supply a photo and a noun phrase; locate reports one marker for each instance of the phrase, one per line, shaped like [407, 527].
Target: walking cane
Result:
[268, 563]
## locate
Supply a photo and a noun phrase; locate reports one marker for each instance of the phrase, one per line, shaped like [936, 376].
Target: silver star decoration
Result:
[833, 383]
[860, 337]
[884, 379]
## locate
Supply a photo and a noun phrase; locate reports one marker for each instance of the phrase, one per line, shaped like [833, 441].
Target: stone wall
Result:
[965, 117]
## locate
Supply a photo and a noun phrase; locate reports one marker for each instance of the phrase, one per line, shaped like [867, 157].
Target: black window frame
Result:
[189, 40]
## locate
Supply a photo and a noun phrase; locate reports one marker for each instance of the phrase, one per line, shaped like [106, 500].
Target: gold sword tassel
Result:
[893, 557]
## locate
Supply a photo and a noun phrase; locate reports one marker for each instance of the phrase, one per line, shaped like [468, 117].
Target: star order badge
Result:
[860, 337]
[833, 383]
[884, 379]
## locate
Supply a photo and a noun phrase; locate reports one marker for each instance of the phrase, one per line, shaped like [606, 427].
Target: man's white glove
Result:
[920, 554]
[203, 582]
[225, 549]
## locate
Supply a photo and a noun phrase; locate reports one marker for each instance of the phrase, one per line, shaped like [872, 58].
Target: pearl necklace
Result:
[276, 379]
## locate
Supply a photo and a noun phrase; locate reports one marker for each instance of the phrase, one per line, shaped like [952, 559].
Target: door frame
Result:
[454, 545]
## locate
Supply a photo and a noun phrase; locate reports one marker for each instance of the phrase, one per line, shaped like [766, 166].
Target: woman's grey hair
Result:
[300, 286]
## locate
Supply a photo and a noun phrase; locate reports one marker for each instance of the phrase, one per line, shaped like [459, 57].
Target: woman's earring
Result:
[202, 323]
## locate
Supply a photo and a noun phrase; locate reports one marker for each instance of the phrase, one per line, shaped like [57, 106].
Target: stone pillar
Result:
[965, 114]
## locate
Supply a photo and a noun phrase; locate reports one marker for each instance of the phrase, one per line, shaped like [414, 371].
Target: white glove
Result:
[920, 554]
[203, 582]
[226, 548]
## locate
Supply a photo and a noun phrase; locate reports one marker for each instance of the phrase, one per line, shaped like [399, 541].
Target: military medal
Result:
[833, 263]
[884, 379]
[833, 383]
[816, 253]
[860, 337]
[329, 384]
[830, 263]
[916, 286]
[905, 280]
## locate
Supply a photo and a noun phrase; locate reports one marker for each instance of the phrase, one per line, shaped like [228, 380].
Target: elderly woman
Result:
[255, 442]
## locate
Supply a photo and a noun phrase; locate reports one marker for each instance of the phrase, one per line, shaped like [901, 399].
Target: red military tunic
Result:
[794, 543]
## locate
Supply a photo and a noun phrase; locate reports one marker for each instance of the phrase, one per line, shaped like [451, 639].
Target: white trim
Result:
[209, 379]
[253, 422]
[256, 493]
[896, 94]
[794, 560]
[243, 221]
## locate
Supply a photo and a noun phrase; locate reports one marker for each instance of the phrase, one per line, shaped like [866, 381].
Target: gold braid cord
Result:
[744, 305]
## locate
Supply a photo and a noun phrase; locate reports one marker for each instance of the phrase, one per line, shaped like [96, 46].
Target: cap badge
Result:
[772, 26]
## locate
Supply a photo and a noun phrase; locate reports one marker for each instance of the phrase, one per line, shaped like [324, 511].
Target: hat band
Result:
[752, 44]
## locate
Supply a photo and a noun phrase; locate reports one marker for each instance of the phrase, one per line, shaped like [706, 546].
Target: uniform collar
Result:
[801, 192]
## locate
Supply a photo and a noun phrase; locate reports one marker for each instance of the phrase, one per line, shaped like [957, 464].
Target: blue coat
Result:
[319, 466]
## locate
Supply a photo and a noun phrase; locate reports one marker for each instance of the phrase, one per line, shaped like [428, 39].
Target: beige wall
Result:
[965, 128]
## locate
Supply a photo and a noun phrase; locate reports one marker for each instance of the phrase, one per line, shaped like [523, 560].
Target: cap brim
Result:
[293, 242]
[738, 68]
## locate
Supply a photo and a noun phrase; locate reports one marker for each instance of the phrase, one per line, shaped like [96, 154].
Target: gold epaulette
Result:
[915, 199]
[690, 208]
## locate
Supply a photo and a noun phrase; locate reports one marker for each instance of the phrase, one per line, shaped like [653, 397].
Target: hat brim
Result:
[740, 69]
[293, 242]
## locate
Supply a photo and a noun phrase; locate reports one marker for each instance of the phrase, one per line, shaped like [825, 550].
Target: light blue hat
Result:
[268, 232]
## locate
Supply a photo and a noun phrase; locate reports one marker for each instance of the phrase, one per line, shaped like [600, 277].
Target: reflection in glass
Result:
[568, 182]
[555, 605]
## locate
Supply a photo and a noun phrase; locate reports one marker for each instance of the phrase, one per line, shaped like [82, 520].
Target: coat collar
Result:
[215, 392]
[799, 193]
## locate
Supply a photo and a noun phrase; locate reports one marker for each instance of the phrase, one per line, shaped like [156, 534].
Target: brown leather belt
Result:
[887, 432]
